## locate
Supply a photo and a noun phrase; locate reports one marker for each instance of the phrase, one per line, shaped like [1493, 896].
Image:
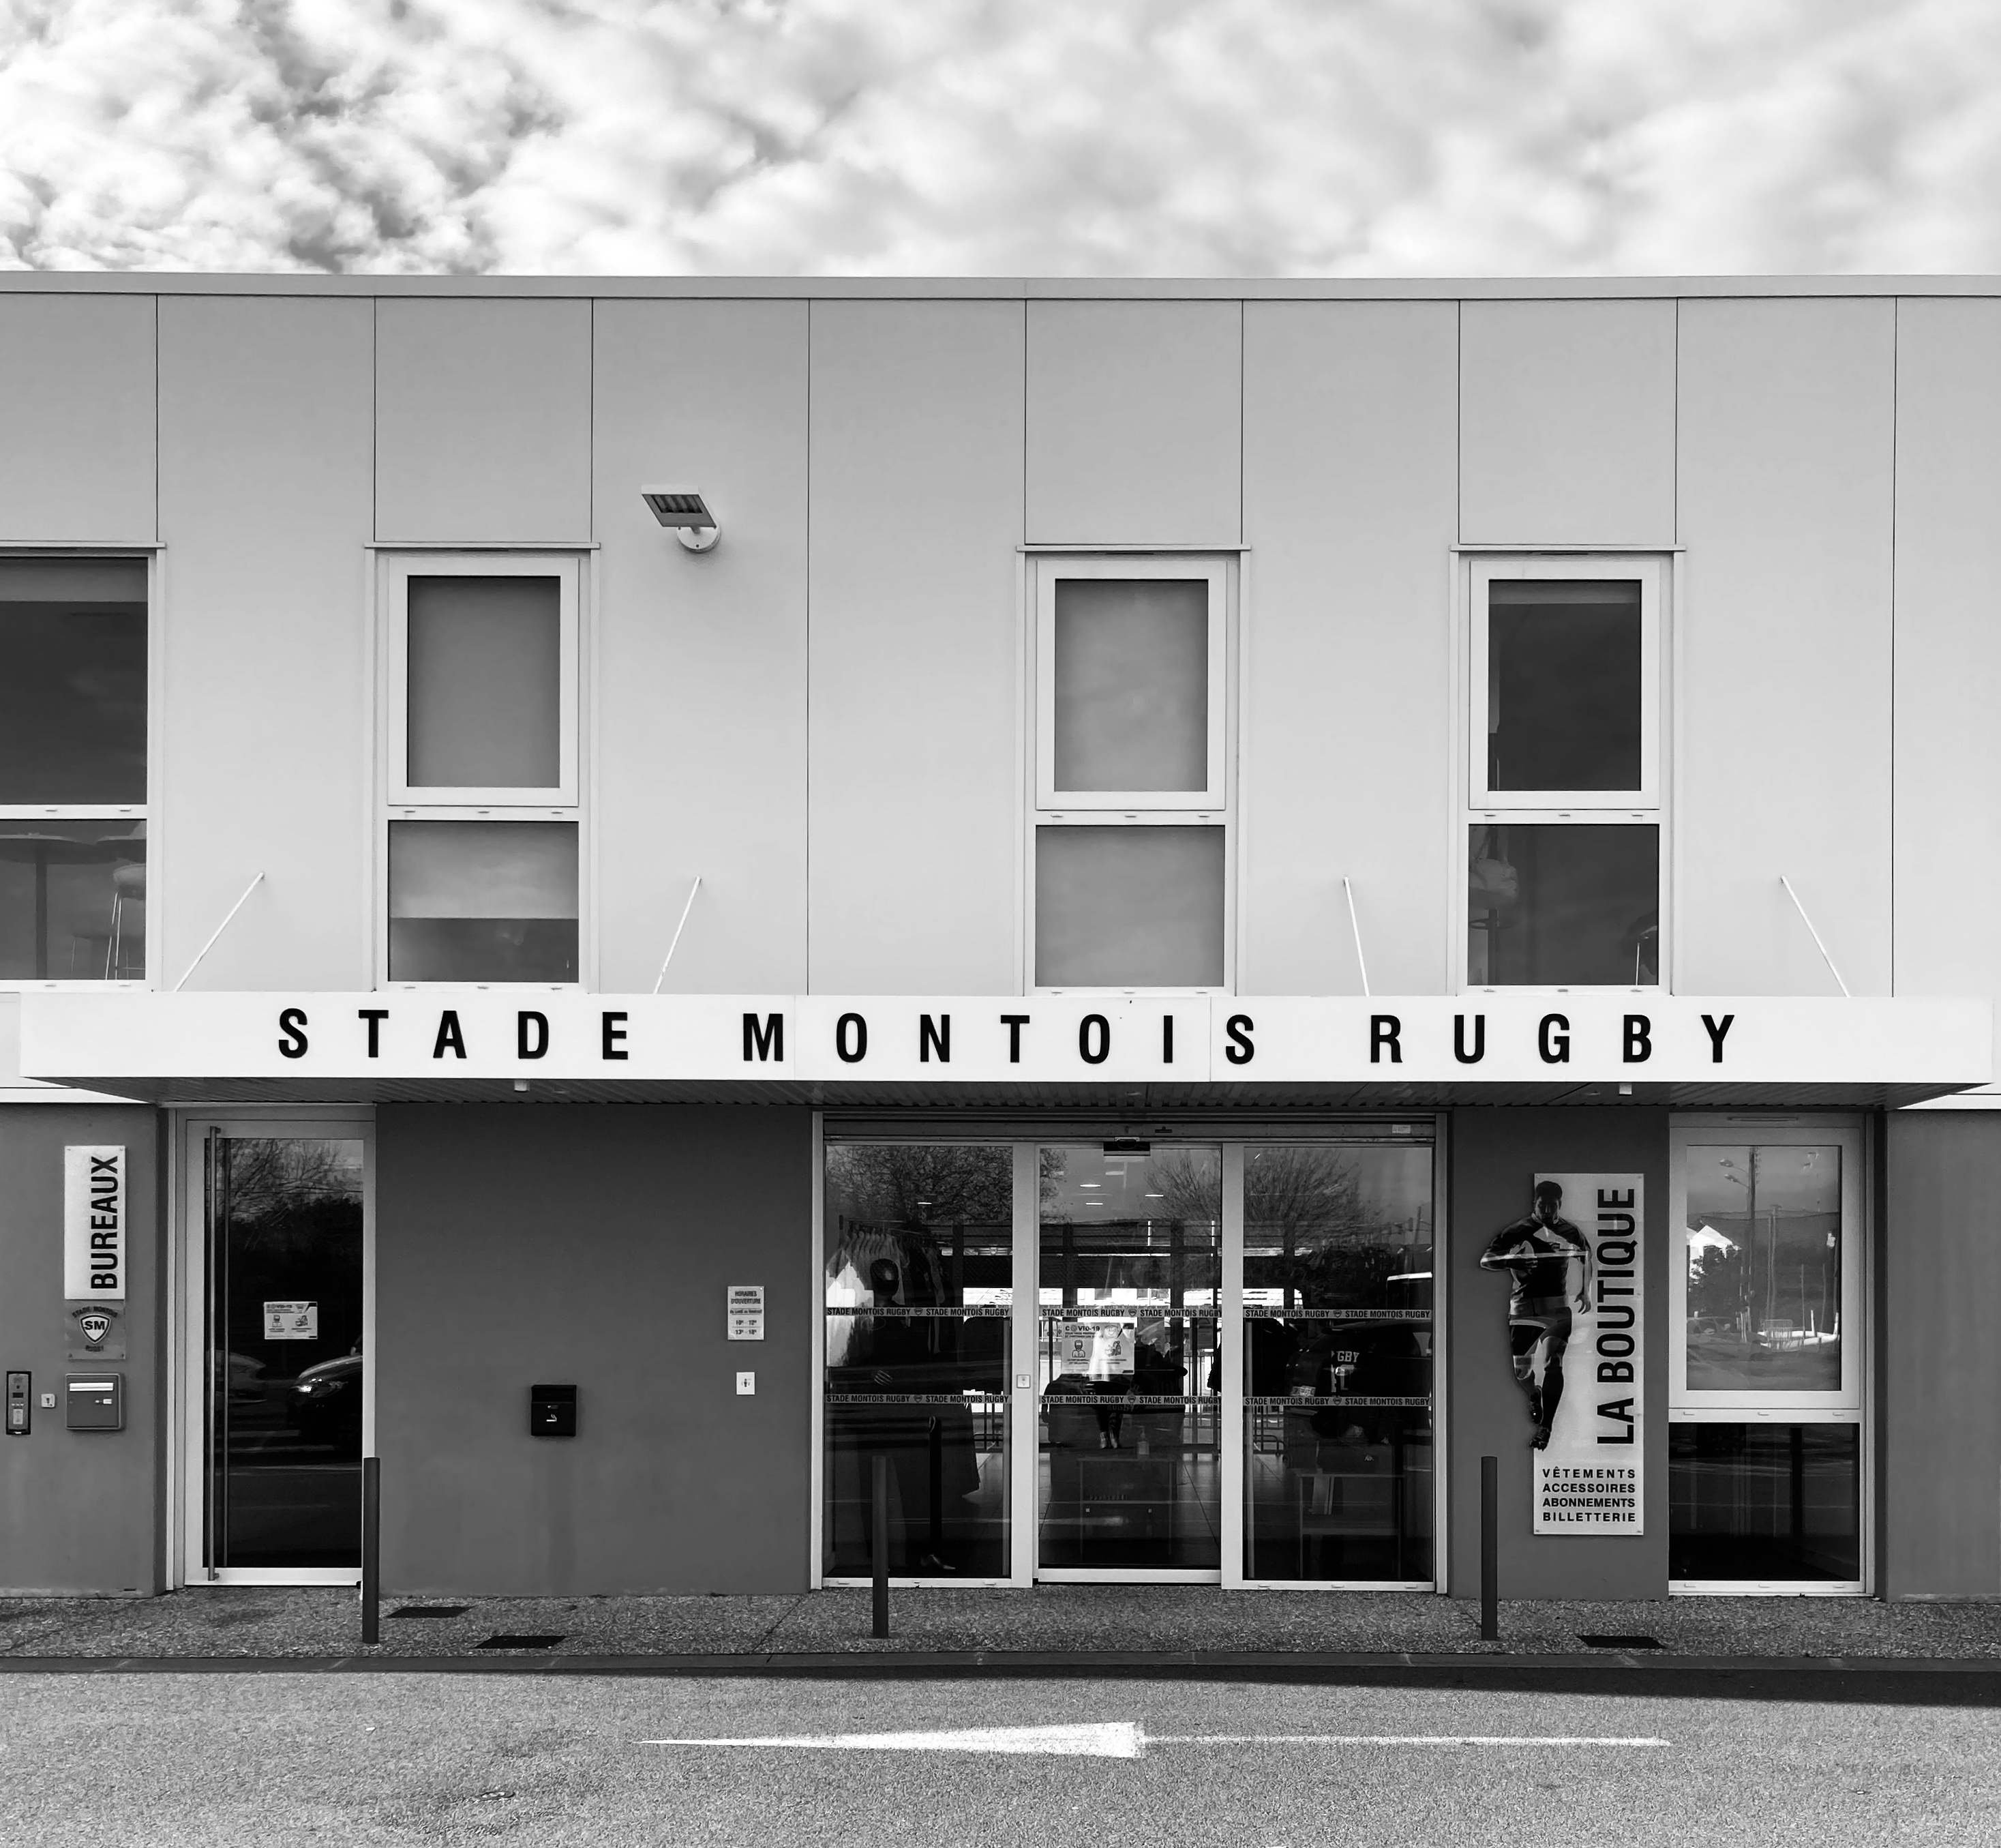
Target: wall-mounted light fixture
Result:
[685, 510]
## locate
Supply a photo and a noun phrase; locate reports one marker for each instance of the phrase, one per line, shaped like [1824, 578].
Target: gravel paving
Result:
[1085, 1620]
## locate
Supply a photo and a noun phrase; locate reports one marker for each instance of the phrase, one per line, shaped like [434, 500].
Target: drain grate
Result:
[1624, 1642]
[432, 1610]
[519, 1642]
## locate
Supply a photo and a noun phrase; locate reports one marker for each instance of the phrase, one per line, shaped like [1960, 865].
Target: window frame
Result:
[1050, 572]
[1574, 569]
[1845, 1404]
[1047, 807]
[395, 566]
[142, 812]
[1474, 805]
[565, 569]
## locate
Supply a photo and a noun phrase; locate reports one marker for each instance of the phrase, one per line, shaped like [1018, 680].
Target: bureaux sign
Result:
[497, 1033]
[94, 1218]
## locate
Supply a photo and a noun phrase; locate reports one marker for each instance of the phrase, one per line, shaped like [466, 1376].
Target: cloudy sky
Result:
[1002, 137]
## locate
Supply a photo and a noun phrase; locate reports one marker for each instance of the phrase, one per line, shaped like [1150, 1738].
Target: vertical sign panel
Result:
[1588, 1479]
[94, 1211]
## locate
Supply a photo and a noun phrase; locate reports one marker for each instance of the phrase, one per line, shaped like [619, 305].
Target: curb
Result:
[1133, 1664]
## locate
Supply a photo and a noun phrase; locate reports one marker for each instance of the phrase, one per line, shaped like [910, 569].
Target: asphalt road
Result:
[269, 1759]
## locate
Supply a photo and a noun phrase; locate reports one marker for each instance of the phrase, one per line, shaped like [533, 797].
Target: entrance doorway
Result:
[276, 1226]
[1172, 1360]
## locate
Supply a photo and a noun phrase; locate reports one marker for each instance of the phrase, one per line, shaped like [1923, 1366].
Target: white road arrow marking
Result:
[1124, 1738]
[1116, 1739]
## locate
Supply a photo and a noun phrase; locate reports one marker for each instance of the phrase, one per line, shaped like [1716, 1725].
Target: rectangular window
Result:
[484, 826]
[1128, 830]
[73, 769]
[1766, 1398]
[1564, 833]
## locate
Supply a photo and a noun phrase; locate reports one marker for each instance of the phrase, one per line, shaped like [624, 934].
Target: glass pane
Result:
[482, 901]
[1126, 1329]
[1764, 1269]
[1132, 684]
[1552, 905]
[1770, 1501]
[1563, 686]
[1128, 907]
[485, 683]
[920, 1289]
[73, 680]
[284, 1347]
[72, 901]
[1338, 1473]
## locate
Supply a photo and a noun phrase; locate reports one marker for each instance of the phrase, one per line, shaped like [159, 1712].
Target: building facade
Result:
[1051, 931]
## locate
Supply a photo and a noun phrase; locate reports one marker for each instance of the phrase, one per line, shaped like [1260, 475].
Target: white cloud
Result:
[1000, 137]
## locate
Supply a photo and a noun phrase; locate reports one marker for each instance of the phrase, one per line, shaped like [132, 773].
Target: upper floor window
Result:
[1563, 829]
[483, 829]
[73, 769]
[1129, 830]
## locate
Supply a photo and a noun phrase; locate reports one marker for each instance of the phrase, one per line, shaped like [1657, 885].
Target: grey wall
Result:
[1938, 1468]
[1495, 1156]
[79, 1512]
[593, 1245]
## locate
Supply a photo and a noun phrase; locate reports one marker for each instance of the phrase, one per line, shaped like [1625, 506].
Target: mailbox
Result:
[96, 1401]
[552, 1411]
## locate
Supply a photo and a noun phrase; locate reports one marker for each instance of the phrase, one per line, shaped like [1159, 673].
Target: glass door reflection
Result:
[1128, 1443]
[919, 1295]
[1337, 1294]
[283, 1361]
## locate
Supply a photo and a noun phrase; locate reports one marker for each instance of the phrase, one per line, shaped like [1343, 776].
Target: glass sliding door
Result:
[918, 1298]
[279, 1269]
[1337, 1363]
[1129, 1285]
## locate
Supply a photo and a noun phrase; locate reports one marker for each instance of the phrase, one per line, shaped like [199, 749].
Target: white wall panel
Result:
[265, 509]
[76, 417]
[1134, 421]
[700, 667]
[1349, 458]
[917, 500]
[1567, 430]
[1948, 641]
[1783, 705]
[484, 420]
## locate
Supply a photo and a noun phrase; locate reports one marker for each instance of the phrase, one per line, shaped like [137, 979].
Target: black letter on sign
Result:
[1013, 1023]
[1240, 1050]
[1459, 1051]
[1084, 1032]
[1383, 1029]
[374, 1017]
[294, 1044]
[933, 1034]
[614, 1037]
[1167, 1039]
[1639, 1039]
[449, 1034]
[1554, 1046]
[1716, 1032]
[851, 1027]
[764, 1039]
[523, 1020]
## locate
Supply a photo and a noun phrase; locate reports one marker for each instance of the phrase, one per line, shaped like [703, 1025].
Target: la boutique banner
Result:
[1588, 1478]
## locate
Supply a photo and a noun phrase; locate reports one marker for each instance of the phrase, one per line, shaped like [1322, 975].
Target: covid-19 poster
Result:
[1589, 1473]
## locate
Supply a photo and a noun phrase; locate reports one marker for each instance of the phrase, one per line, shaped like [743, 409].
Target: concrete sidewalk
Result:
[1076, 1623]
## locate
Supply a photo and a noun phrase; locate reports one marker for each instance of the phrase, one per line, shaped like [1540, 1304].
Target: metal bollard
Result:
[878, 1544]
[371, 1550]
[1490, 1549]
